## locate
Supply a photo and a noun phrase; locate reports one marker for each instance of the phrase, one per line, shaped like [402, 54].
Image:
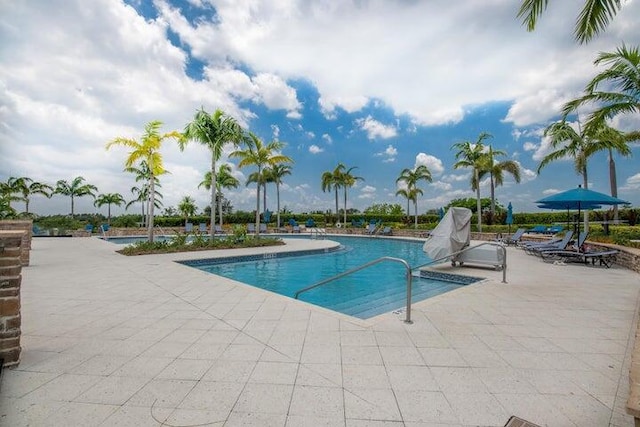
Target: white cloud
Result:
[275, 132]
[327, 138]
[367, 192]
[368, 189]
[314, 149]
[631, 184]
[389, 154]
[441, 185]
[550, 191]
[432, 163]
[375, 129]
[456, 178]
[529, 146]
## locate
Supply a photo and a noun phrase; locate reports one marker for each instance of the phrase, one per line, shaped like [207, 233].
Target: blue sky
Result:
[379, 85]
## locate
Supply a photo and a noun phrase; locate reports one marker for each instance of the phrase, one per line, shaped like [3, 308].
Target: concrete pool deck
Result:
[141, 341]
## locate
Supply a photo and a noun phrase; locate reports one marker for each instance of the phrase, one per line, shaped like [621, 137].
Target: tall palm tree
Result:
[593, 19]
[187, 207]
[621, 97]
[471, 155]
[332, 180]
[276, 173]
[257, 154]
[496, 172]
[75, 188]
[214, 131]
[12, 190]
[580, 145]
[142, 196]
[27, 187]
[224, 179]
[109, 199]
[347, 180]
[412, 177]
[148, 150]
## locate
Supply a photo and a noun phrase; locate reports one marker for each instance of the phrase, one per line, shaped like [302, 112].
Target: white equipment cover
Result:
[453, 233]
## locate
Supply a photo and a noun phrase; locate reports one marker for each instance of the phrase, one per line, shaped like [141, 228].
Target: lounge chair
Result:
[292, 222]
[577, 246]
[217, 229]
[88, 228]
[202, 227]
[514, 238]
[555, 229]
[386, 231]
[188, 227]
[538, 229]
[263, 227]
[295, 229]
[310, 223]
[604, 258]
[251, 227]
[562, 244]
[104, 228]
[371, 229]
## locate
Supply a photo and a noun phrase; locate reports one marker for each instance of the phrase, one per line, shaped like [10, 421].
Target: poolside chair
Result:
[604, 258]
[292, 222]
[263, 227]
[202, 227]
[188, 227]
[295, 229]
[88, 228]
[217, 229]
[310, 223]
[555, 229]
[386, 231]
[514, 238]
[371, 228]
[538, 229]
[251, 227]
[104, 228]
[562, 244]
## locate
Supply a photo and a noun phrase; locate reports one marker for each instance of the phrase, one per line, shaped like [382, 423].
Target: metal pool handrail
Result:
[363, 266]
[468, 248]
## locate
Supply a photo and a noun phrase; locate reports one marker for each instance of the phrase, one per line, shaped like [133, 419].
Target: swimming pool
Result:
[367, 293]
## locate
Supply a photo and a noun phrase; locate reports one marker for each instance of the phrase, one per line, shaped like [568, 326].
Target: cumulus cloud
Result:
[441, 185]
[432, 163]
[389, 154]
[314, 149]
[375, 129]
[327, 138]
[631, 184]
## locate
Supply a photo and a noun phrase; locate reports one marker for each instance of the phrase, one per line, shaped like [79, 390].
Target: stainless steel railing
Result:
[362, 267]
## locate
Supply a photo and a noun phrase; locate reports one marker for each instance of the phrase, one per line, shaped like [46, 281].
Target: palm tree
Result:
[593, 19]
[471, 155]
[224, 179]
[276, 173]
[412, 177]
[187, 207]
[76, 188]
[26, 187]
[148, 150]
[142, 196]
[260, 178]
[12, 190]
[347, 180]
[332, 180]
[260, 155]
[580, 146]
[496, 173]
[109, 199]
[623, 97]
[214, 131]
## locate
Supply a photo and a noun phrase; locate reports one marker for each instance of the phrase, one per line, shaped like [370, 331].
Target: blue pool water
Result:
[367, 293]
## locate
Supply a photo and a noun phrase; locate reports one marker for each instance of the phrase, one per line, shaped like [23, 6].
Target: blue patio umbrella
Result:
[579, 198]
[509, 219]
[441, 213]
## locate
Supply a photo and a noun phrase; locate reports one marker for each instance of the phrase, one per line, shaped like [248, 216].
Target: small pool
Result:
[367, 293]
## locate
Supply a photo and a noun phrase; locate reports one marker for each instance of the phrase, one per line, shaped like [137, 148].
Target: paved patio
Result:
[141, 341]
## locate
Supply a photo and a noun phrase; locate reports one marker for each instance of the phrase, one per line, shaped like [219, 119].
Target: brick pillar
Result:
[21, 225]
[10, 280]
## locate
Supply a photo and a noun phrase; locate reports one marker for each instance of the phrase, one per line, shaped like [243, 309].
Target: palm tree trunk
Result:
[264, 197]
[345, 205]
[152, 202]
[478, 202]
[109, 213]
[415, 208]
[258, 209]
[278, 204]
[493, 199]
[71, 205]
[586, 211]
[337, 212]
[408, 211]
[220, 208]
[213, 196]
[614, 183]
[26, 205]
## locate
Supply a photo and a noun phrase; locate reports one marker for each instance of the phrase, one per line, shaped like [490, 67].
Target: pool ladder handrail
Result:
[315, 232]
[468, 248]
[161, 230]
[363, 266]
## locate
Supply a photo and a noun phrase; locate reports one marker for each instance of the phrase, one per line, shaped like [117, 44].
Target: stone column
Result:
[20, 225]
[10, 281]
